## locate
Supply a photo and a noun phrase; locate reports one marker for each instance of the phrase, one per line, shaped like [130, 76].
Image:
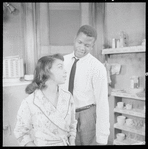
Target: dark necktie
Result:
[72, 75]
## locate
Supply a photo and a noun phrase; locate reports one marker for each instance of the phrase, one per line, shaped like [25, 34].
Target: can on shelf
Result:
[113, 43]
[134, 82]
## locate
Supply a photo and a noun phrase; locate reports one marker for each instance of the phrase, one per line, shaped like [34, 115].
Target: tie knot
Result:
[76, 59]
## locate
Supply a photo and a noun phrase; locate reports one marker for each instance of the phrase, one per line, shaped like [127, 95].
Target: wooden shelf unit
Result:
[140, 131]
[123, 96]
[131, 49]
[128, 142]
[126, 95]
[139, 113]
[133, 112]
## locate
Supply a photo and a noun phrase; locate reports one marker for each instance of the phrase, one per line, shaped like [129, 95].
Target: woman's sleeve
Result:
[23, 124]
[73, 120]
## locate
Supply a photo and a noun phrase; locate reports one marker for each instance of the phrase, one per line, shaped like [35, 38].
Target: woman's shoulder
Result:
[65, 91]
[67, 95]
[29, 98]
[26, 101]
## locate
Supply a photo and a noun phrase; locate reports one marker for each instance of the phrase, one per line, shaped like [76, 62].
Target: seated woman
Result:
[47, 116]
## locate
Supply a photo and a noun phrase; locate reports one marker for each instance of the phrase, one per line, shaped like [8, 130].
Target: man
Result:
[89, 90]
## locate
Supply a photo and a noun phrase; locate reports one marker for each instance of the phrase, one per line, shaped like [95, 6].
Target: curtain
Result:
[36, 32]
[29, 26]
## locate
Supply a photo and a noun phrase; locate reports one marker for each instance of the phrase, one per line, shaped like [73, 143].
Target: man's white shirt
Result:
[90, 87]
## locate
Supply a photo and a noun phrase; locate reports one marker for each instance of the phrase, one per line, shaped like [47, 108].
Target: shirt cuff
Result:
[102, 139]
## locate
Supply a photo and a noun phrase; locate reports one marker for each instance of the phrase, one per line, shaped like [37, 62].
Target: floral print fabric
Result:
[39, 121]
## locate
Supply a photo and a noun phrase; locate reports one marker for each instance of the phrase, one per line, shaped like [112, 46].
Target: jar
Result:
[121, 120]
[118, 43]
[128, 106]
[120, 105]
[122, 39]
[129, 122]
[120, 136]
[113, 43]
[134, 82]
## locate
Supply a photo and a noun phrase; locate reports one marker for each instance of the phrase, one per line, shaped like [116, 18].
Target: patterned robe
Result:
[39, 121]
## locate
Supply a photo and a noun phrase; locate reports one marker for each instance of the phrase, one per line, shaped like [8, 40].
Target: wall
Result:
[59, 21]
[63, 23]
[128, 17]
[26, 35]
[12, 98]
[13, 39]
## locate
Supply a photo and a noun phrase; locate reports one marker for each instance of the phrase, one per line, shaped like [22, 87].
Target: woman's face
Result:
[58, 73]
[83, 45]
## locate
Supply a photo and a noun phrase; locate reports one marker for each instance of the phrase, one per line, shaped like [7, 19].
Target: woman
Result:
[47, 116]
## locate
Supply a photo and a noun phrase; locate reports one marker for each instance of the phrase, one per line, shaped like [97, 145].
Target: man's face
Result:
[83, 45]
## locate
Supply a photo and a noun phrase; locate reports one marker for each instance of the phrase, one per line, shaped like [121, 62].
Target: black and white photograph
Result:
[74, 74]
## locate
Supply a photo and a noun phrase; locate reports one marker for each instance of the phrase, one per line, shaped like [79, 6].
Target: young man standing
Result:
[89, 89]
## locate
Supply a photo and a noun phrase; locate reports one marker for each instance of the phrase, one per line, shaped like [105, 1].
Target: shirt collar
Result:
[80, 59]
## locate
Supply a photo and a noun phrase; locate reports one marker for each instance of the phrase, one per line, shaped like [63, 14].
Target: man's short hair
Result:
[88, 30]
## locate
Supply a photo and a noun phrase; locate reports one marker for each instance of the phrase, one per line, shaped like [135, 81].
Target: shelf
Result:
[127, 142]
[140, 131]
[19, 83]
[131, 49]
[134, 112]
[126, 95]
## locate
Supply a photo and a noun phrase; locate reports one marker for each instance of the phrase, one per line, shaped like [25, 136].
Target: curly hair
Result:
[42, 72]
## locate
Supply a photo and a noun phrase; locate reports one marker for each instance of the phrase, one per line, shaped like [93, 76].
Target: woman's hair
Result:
[42, 72]
[88, 30]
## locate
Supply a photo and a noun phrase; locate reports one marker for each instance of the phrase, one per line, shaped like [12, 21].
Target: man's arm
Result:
[100, 86]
